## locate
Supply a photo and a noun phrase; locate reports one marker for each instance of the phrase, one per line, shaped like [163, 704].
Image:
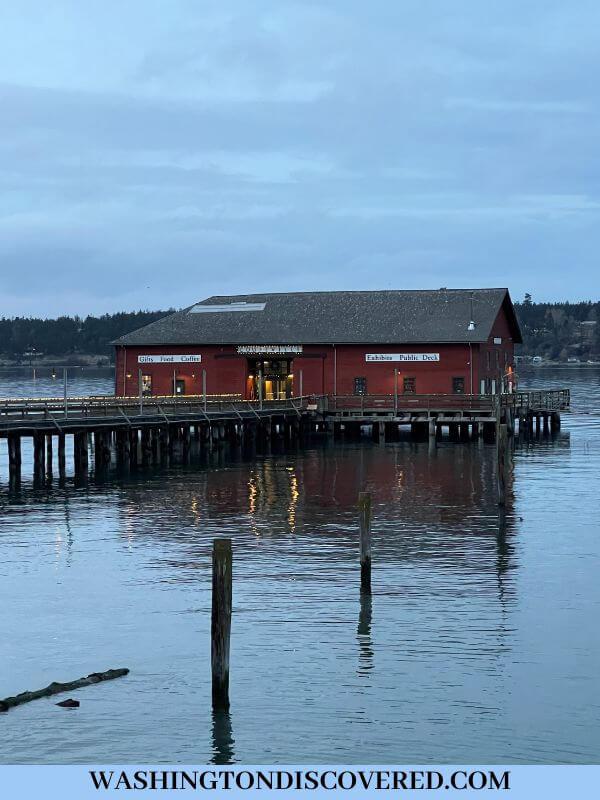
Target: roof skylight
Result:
[220, 308]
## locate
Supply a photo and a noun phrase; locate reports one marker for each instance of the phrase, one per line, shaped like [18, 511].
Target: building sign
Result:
[402, 357]
[167, 359]
[269, 349]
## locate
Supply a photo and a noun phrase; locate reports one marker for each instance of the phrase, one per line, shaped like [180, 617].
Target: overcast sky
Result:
[154, 153]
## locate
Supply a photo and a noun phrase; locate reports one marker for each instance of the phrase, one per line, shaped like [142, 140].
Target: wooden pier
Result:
[144, 431]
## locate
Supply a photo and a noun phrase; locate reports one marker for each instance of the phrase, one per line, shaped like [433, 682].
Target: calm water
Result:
[481, 643]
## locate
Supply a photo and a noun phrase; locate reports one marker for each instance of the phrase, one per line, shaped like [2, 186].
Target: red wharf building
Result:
[446, 341]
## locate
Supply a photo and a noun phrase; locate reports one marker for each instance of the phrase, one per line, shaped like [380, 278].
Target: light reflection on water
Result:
[479, 645]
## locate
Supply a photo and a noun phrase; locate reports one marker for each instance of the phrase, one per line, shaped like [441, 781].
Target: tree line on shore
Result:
[555, 331]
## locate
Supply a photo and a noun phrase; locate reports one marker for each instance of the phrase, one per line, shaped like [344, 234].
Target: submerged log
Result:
[56, 688]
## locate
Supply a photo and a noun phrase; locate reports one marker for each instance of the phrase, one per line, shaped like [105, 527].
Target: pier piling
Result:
[62, 463]
[364, 520]
[221, 621]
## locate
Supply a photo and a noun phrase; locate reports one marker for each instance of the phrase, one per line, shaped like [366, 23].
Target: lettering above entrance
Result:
[402, 357]
[166, 359]
[268, 349]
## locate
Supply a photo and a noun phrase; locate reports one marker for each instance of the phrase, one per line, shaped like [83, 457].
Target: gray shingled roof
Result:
[381, 317]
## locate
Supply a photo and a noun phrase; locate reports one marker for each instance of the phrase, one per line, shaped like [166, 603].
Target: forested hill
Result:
[23, 336]
[556, 331]
[559, 331]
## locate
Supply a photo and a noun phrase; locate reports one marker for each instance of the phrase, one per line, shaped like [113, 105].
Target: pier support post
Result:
[146, 447]
[62, 462]
[154, 445]
[186, 441]
[501, 465]
[133, 448]
[221, 621]
[14, 458]
[49, 455]
[489, 431]
[555, 422]
[364, 521]
[38, 457]
[80, 443]
[163, 444]
[453, 431]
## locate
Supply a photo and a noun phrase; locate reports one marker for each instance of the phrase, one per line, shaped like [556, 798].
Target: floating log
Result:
[57, 688]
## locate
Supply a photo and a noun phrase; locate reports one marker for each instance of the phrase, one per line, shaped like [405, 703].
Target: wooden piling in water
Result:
[62, 461]
[501, 462]
[80, 444]
[364, 521]
[38, 457]
[49, 454]
[221, 621]
[14, 458]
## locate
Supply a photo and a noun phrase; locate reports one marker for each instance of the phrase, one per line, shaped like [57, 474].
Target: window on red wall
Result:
[360, 385]
[497, 358]
[410, 385]
[458, 385]
[489, 359]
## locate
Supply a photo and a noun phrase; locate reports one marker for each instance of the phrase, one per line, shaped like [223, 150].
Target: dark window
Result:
[360, 385]
[497, 358]
[458, 385]
[146, 385]
[489, 359]
[410, 385]
[179, 386]
[505, 358]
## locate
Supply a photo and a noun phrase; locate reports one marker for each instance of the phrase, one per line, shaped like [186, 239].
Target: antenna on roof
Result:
[471, 325]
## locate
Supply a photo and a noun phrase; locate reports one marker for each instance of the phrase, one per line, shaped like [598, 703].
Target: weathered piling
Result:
[38, 457]
[49, 454]
[133, 448]
[221, 621]
[364, 521]
[146, 447]
[14, 458]
[80, 444]
[62, 462]
[501, 462]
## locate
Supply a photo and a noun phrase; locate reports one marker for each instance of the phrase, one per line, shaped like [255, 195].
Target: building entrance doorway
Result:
[274, 375]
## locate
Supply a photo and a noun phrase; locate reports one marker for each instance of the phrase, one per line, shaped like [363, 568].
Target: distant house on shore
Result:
[446, 341]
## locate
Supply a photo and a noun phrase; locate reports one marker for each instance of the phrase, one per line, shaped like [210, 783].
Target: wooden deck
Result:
[26, 416]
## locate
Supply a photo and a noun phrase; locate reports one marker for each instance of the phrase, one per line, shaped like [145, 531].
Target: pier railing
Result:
[542, 400]
[168, 408]
[410, 402]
